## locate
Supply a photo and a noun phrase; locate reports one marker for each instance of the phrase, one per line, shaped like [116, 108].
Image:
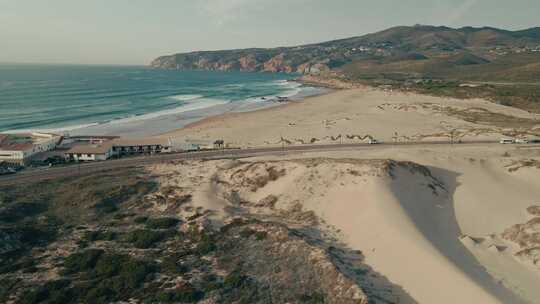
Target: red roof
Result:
[3, 137]
[16, 146]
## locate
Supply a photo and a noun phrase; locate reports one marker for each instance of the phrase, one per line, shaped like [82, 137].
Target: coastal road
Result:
[35, 175]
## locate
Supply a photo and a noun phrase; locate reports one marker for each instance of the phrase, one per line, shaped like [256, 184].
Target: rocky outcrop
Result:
[245, 62]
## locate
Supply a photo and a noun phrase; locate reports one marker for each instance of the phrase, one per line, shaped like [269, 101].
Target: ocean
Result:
[129, 101]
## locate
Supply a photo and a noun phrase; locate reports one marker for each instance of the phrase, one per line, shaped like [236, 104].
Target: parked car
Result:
[7, 171]
[507, 141]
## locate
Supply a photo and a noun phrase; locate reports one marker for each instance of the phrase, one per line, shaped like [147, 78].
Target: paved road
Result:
[35, 175]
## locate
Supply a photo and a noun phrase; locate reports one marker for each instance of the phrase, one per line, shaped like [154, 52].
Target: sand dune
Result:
[419, 240]
[434, 225]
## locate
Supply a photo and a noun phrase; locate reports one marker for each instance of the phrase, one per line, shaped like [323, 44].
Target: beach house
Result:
[140, 146]
[92, 152]
[20, 148]
[103, 149]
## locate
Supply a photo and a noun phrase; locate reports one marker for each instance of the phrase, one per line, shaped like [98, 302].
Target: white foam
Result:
[201, 103]
[186, 97]
[53, 130]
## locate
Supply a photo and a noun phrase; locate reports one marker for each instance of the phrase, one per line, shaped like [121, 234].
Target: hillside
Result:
[429, 47]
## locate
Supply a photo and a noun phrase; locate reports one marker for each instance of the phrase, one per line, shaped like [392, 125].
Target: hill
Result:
[426, 46]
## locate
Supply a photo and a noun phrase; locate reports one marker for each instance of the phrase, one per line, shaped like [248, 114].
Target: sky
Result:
[133, 32]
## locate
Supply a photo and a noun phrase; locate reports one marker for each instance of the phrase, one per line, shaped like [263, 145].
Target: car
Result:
[522, 141]
[373, 141]
[507, 141]
[7, 171]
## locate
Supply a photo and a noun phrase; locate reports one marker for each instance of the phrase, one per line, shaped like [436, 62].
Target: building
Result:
[140, 146]
[195, 145]
[20, 148]
[87, 139]
[95, 152]
[103, 149]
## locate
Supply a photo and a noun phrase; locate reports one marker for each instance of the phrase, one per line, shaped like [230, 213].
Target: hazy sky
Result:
[136, 31]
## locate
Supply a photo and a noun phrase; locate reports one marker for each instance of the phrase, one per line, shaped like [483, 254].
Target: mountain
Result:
[460, 47]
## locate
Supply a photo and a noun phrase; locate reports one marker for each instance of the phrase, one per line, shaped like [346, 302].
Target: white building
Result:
[97, 152]
[19, 148]
[141, 146]
[103, 150]
[194, 145]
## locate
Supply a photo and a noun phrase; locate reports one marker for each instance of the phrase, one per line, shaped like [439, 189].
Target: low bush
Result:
[83, 261]
[246, 233]
[140, 219]
[315, 298]
[161, 223]
[185, 294]
[144, 239]
[171, 264]
[234, 280]
[261, 235]
[50, 292]
[106, 277]
[93, 236]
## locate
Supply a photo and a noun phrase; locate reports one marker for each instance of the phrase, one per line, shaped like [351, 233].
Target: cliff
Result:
[398, 44]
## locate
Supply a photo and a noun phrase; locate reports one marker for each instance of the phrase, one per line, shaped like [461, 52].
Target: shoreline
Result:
[331, 85]
[155, 124]
[231, 115]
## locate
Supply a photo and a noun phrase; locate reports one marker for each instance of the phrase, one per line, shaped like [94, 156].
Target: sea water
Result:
[120, 100]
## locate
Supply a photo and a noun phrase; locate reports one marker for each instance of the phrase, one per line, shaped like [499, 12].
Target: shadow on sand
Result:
[437, 222]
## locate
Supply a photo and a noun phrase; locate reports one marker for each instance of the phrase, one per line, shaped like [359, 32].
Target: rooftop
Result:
[22, 141]
[91, 149]
[140, 142]
[15, 142]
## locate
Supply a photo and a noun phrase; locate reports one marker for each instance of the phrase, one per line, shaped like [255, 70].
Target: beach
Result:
[351, 114]
[157, 123]
[433, 224]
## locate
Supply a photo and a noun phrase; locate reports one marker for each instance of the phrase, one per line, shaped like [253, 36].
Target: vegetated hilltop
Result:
[416, 50]
[122, 236]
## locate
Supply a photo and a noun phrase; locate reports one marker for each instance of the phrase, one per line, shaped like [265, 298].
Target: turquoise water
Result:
[45, 97]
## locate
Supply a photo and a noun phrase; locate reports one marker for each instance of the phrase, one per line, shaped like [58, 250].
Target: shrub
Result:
[144, 239]
[112, 277]
[315, 298]
[234, 280]
[140, 219]
[162, 223]
[261, 235]
[84, 261]
[171, 264]
[18, 211]
[237, 222]
[184, 294]
[26, 264]
[205, 245]
[246, 233]
[50, 292]
[93, 236]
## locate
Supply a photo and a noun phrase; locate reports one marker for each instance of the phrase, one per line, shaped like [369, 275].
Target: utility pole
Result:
[452, 136]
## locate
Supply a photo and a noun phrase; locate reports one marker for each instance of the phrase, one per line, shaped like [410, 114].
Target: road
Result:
[34, 175]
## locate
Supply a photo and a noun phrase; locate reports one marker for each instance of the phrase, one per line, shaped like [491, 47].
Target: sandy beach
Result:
[356, 113]
[449, 224]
